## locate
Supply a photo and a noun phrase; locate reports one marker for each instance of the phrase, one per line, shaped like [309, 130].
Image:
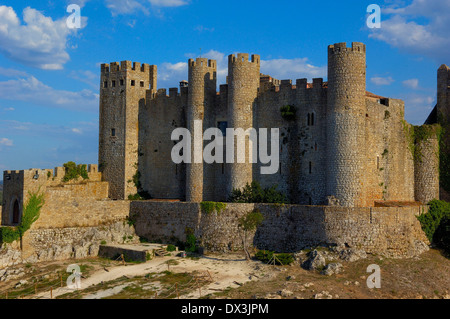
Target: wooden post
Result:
[198, 286]
[156, 295]
[123, 259]
[51, 292]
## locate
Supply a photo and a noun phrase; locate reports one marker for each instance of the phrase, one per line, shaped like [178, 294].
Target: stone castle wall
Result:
[160, 176]
[389, 231]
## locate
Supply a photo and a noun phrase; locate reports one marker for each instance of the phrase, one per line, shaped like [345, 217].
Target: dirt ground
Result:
[229, 276]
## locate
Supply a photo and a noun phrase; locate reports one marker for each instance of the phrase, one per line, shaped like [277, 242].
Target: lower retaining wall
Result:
[65, 243]
[390, 231]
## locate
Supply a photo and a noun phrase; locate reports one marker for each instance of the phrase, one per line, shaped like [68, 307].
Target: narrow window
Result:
[113, 84]
[309, 119]
[378, 162]
[310, 167]
[133, 83]
[16, 212]
[121, 82]
[105, 84]
[142, 84]
[113, 132]
[223, 127]
[310, 201]
[312, 119]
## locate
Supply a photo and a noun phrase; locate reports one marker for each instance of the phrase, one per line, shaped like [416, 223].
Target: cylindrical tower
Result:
[243, 85]
[202, 90]
[346, 113]
[426, 166]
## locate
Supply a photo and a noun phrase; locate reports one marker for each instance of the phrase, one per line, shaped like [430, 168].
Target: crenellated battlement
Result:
[244, 58]
[203, 62]
[126, 66]
[342, 47]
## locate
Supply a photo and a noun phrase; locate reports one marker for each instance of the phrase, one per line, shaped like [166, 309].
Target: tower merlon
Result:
[342, 47]
[115, 67]
[318, 83]
[243, 58]
[205, 62]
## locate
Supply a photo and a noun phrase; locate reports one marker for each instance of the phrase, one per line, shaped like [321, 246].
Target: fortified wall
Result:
[76, 217]
[389, 231]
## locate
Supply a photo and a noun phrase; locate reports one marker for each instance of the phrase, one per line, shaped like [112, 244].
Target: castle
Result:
[345, 146]
[355, 172]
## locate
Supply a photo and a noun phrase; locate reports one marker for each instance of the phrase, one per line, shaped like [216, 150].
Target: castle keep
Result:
[345, 146]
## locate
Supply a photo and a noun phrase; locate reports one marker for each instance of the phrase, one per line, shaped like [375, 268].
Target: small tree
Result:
[249, 223]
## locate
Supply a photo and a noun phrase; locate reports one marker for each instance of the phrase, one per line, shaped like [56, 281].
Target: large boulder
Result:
[316, 261]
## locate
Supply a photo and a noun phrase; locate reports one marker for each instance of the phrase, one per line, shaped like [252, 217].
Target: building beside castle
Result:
[345, 145]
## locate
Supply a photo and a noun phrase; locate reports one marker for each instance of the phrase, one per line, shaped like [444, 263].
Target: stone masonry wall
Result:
[393, 231]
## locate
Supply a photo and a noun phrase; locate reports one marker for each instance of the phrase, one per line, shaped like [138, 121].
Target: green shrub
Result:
[285, 259]
[171, 248]
[103, 242]
[288, 112]
[254, 193]
[281, 259]
[442, 235]
[191, 243]
[9, 235]
[430, 221]
[74, 171]
[264, 255]
[31, 213]
[210, 207]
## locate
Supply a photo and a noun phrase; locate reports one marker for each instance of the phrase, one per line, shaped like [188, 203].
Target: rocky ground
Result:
[316, 274]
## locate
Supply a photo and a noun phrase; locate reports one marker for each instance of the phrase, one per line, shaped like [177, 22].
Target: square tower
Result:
[122, 94]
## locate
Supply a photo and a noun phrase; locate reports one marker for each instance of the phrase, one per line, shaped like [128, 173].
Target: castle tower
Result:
[426, 166]
[243, 85]
[346, 123]
[443, 94]
[122, 94]
[202, 91]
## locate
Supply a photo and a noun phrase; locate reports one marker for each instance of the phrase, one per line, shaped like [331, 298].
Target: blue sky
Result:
[49, 74]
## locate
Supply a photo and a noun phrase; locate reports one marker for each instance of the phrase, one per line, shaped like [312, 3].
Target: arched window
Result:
[309, 119]
[16, 212]
[312, 119]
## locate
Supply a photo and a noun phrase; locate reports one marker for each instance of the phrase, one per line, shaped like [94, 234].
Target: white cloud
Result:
[32, 90]
[11, 73]
[411, 83]
[40, 42]
[90, 78]
[419, 28]
[9, 109]
[382, 81]
[292, 69]
[118, 7]
[418, 107]
[6, 142]
[201, 28]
